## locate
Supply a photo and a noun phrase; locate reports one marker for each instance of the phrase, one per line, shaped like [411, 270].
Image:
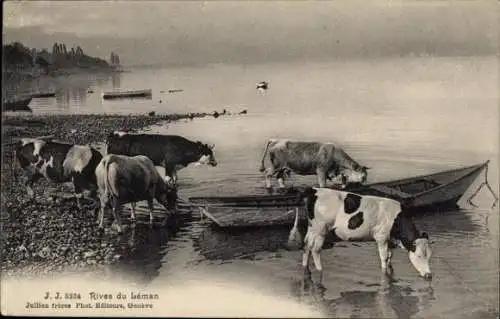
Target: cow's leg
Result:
[281, 178]
[316, 254]
[78, 190]
[306, 253]
[389, 259]
[132, 211]
[174, 178]
[116, 214]
[30, 179]
[268, 180]
[100, 218]
[150, 205]
[95, 199]
[305, 261]
[321, 177]
[268, 174]
[281, 182]
[385, 255]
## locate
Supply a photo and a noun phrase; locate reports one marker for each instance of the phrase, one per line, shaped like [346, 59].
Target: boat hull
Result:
[127, 94]
[421, 193]
[43, 95]
[17, 105]
[452, 191]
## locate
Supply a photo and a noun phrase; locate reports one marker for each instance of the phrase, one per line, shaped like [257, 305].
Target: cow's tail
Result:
[295, 238]
[105, 166]
[15, 159]
[262, 168]
[13, 165]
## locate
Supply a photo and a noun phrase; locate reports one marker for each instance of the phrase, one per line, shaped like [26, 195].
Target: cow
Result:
[125, 179]
[326, 160]
[173, 152]
[354, 217]
[58, 162]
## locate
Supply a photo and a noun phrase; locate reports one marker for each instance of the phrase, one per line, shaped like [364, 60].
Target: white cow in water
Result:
[354, 217]
[128, 179]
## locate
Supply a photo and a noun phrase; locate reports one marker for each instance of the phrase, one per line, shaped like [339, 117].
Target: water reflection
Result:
[390, 299]
[439, 222]
[219, 244]
[98, 79]
[143, 248]
[226, 244]
[116, 79]
[73, 92]
[72, 95]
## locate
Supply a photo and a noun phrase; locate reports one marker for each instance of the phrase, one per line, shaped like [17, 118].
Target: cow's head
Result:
[419, 253]
[166, 195]
[355, 176]
[113, 135]
[206, 155]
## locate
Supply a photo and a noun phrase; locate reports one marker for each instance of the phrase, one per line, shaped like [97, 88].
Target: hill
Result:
[18, 58]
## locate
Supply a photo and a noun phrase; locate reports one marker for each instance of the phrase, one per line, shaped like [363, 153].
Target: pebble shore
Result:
[46, 237]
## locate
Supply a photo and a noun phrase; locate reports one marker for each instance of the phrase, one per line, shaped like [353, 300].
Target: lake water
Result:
[402, 117]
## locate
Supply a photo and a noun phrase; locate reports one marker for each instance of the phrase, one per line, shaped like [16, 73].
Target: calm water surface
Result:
[401, 116]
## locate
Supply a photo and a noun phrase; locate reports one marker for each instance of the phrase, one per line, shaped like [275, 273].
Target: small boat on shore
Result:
[127, 94]
[425, 192]
[19, 105]
[43, 94]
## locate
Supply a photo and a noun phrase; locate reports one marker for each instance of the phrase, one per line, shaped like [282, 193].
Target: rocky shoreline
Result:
[47, 237]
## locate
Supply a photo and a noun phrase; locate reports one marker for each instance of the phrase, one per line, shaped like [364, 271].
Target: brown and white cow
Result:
[58, 162]
[173, 152]
[353, 217]
[128, 179]
[326, 160]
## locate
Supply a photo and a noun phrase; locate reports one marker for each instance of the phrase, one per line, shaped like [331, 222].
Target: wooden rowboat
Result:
[127, 94]
[43, 94]
[175, 90]
[17, 105]
[439, 190]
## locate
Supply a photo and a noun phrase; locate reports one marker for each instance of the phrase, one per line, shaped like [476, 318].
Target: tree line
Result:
[18, 56]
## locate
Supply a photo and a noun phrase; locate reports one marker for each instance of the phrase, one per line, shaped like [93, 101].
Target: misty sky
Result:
[161, 32]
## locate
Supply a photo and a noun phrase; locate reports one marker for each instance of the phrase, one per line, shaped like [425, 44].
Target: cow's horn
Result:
[212, 146]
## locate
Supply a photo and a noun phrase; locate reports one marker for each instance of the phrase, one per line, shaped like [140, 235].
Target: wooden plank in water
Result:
[281, 200]
[251, 216]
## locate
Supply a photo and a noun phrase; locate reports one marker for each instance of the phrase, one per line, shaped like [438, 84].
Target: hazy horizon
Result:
[249, 32]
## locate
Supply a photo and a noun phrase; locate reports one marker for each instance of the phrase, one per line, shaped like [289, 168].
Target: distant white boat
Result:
[262, 86]
[127, 94]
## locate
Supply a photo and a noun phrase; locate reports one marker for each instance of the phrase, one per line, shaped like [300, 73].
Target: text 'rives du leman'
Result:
[97, 301]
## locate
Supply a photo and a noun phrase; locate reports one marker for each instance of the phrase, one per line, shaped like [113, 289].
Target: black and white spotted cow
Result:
[354, 217]
[58, 162]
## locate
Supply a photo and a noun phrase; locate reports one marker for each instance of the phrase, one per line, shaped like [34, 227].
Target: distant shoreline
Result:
[14, 80]
[58, 72]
